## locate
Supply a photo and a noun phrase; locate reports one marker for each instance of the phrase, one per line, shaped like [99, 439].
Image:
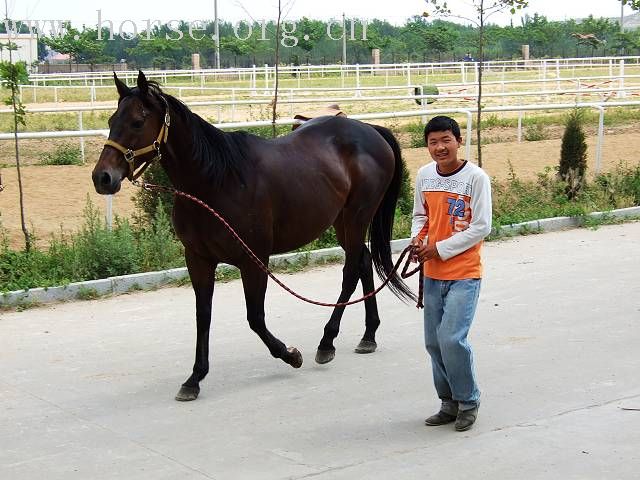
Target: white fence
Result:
[377, 116]
[585, 83]
[605, 89]
[543, 66]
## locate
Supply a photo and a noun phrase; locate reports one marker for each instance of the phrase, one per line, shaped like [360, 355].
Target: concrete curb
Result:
[561, 223]
[140, 281]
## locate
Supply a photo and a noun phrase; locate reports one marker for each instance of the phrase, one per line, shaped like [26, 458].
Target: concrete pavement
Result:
[86, 388]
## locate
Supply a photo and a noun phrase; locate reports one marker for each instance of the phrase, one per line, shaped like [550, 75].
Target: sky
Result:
[85, 12]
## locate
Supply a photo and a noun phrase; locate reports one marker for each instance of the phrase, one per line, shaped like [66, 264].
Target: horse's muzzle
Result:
[106, 182]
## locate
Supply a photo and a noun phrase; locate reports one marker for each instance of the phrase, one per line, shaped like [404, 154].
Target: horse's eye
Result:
[137, 124]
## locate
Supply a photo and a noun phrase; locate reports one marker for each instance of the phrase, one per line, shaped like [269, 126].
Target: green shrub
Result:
[573, 154]
[66, 154]
[95, 251]
[158, 246]
[427, 90]
[405, 199]
[535, 132]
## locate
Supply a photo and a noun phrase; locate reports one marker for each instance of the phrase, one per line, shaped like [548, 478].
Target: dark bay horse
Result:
[277, 194]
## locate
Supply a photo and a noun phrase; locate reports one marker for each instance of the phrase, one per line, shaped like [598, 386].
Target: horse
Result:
[278, 194]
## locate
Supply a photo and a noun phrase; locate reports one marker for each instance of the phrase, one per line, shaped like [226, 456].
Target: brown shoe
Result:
[440, 418]
[466, 419]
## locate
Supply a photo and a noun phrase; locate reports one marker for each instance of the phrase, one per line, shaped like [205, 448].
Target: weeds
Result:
[65, 154]
[86, 293]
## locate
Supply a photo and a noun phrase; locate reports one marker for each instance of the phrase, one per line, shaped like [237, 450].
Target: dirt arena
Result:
[55, 196]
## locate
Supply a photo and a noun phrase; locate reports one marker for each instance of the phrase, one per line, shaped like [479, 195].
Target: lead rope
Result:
[409, 249]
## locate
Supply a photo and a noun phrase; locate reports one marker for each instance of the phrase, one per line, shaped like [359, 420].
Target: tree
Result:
[80, 46]
[12, 75]
[440, 39]
[573, 154]
[484, 9]
[309, 33]
[624, 42]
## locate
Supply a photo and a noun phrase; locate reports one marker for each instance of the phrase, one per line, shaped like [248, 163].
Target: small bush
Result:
[405, 199]
[573, 154]
[63, 155]
[427, 90]
[157, 244]
[535, 132]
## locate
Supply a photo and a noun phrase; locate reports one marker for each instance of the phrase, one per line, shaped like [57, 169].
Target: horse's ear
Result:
[143, 85]
[123, 90]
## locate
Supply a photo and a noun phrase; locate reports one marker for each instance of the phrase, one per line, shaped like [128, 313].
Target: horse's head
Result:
[137, 130]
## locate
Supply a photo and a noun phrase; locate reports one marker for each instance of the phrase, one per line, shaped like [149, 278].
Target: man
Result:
[451, 217]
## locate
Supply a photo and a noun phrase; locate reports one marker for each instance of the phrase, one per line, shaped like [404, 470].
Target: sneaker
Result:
[466, 419]
[440, 418]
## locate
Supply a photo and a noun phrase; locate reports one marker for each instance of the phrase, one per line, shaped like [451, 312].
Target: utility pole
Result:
[217, 32]
[344, 40]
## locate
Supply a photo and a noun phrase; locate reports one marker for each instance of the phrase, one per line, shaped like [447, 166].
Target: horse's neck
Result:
[177, 160]
[185, 171]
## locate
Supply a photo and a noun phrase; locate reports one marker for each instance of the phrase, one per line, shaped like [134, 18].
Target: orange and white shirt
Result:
[454, 212]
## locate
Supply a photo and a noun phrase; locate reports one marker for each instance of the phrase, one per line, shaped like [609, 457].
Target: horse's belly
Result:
[296, 232]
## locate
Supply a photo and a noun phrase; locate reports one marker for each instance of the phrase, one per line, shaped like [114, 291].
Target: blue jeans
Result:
[449, 308]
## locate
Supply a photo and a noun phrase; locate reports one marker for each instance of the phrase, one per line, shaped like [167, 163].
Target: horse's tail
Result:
[382, 224]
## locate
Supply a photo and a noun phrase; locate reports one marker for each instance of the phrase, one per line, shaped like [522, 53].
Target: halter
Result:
[130, 155]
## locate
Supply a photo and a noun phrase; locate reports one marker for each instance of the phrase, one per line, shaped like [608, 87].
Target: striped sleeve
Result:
[420, 219]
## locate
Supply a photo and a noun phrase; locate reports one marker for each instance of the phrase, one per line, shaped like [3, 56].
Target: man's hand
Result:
[423, 252]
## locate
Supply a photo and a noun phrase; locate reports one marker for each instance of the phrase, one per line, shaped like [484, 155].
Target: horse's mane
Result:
[215, 153]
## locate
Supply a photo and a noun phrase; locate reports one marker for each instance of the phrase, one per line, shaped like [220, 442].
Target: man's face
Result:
[443, 148]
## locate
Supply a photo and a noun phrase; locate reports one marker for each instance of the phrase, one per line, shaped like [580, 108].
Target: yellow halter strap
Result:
[130, 155]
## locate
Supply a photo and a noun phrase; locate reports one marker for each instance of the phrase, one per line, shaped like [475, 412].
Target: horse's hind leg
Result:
[254, 281]
[202, 274]
[372, 320]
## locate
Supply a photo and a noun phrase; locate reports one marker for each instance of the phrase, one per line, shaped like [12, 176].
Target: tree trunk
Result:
[277, 62]
[479, 105]
[25, 232]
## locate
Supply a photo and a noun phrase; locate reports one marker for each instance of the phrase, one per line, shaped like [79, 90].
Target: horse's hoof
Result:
[325, 356]
[295, 357]
[366, 346]
[187, 394]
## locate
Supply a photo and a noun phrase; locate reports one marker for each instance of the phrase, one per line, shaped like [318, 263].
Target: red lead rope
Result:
[150, 186]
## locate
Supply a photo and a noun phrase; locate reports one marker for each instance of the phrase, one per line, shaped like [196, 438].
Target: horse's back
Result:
[313, 173]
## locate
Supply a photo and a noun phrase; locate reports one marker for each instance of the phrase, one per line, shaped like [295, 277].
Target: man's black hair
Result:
[442, 123]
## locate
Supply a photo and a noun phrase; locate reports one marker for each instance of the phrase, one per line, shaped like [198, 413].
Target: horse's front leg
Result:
[254, 281]
[202, 273]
